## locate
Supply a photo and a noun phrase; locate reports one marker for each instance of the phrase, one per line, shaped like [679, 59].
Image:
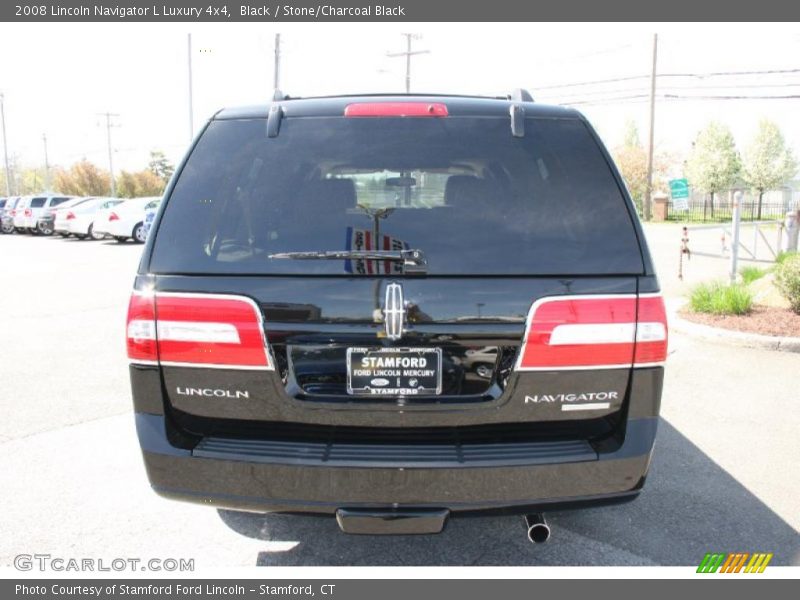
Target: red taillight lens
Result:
[13, 213]
[28, 212]
[141, 328]
[206, 330]
[396, 109]
[113, 217]
[70, 216]
[651, 331]
[585, 332]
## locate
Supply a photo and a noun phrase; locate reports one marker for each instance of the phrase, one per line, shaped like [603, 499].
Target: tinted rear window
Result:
[57, 201]
[38, 202]
[472, 197]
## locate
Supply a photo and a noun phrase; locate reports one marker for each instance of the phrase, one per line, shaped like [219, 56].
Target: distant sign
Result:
[679, 191]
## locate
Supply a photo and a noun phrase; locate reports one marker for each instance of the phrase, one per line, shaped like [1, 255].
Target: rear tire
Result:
[92, 234]
[139, 234]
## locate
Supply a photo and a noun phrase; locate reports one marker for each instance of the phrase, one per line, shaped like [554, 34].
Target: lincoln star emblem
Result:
[394, 311]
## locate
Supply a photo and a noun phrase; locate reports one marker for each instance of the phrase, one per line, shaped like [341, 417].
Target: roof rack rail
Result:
[521, 95]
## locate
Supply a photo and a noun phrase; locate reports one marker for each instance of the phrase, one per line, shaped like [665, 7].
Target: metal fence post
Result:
[791, 226]
[737, 208]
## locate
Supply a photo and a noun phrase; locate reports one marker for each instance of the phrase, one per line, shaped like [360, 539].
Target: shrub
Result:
[719, 299]
[787, 280]
[750, 274]
[784, 256]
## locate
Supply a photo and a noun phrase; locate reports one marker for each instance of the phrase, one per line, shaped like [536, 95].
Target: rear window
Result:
[57, 201]
[464, 191]
[37, 202]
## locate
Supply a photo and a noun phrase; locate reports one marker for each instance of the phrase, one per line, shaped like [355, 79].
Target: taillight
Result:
[28, 212]
[141, 328]
[594, 332]
[113, 217]
[396, 109]
[205, 330]
[70, 216]
[13, 213]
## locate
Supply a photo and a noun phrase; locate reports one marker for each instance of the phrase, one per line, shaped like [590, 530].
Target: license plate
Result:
[394, 371]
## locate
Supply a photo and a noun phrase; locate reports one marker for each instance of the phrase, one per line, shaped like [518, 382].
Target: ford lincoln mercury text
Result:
[397, 309]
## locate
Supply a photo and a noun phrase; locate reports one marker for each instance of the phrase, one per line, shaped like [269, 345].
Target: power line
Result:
[665, 75]
[671, 87]
[642, 97]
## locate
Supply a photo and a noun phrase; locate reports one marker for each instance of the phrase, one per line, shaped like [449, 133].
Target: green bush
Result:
[784, 256]
[719, 299]
[787, 280]
[750, 274]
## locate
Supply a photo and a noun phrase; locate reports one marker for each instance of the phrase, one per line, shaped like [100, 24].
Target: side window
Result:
[57, 201]
[38, 202]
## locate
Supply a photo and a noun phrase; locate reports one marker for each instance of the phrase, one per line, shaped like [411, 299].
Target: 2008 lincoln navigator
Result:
[394, 309]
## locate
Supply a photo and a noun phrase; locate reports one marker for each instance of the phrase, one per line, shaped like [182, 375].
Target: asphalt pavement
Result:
[724, 476]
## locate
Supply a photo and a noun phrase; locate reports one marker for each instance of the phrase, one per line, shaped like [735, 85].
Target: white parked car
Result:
[80, 219]
[27, 218]
[126, 220]
[61, 223]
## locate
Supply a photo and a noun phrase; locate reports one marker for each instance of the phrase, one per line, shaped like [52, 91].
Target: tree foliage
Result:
[713, 165]
[139, 183]
[768, 162]
[160, 166]
[83, 179]
[631, 159]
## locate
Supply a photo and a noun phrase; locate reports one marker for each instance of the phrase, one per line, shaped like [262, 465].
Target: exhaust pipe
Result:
[538, 529]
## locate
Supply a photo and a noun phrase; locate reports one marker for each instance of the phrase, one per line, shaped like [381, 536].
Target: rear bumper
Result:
[301, 477]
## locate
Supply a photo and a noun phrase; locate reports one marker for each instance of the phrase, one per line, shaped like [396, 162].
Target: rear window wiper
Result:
[413, 260]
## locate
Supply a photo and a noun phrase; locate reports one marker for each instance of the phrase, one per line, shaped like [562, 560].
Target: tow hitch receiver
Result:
[391, 521]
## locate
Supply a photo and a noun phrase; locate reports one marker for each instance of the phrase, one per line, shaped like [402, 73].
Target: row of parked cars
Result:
[93, 218]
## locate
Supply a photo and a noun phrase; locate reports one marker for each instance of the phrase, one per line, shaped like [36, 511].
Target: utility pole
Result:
[5, 144]
[46, 164]
[648, 194]
[191, 109]
[408, 54]
[109, 125]
[276, 71]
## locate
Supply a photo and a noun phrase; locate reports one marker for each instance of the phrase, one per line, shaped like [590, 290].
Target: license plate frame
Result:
[367, 386]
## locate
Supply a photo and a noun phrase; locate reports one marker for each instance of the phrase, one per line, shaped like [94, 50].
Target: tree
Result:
[631, 159]
[83, 179]
[138, 184]
[160, 166]
[713, 165]
[768, 163]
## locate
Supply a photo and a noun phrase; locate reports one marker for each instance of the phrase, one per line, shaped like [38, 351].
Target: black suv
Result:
[304, 325]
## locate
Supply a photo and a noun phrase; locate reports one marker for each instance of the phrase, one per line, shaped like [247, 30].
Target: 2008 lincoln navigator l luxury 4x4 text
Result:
[394, 309]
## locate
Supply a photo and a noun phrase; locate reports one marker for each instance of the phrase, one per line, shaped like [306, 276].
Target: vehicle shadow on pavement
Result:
[690, 506]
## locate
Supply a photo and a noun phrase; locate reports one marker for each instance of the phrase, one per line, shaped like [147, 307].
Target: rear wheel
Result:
[93, 235]
[7, 229]
[139, 234]
[46, 230]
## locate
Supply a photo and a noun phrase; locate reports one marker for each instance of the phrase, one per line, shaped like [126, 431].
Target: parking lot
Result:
[724, 477]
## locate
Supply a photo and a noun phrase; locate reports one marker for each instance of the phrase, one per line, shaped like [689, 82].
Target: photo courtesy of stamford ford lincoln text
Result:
[298, 299]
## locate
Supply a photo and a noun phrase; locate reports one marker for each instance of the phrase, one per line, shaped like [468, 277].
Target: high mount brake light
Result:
[396, 109]
[202, 330]
[595, 332]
